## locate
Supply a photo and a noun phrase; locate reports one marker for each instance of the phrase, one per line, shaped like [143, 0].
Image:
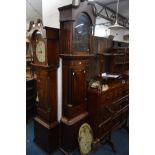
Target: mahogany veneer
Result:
[107, 109]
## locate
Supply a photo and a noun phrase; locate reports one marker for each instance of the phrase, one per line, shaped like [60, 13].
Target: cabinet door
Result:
[77, 86]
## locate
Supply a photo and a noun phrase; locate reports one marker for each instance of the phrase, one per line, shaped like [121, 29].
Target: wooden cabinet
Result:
[107, 109]
[100, 44]
[117, 60]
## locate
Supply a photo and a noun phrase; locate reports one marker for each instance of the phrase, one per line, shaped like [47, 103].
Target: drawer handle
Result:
[80, 63]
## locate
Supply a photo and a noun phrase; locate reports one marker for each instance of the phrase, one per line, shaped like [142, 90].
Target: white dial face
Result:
[40, 51]
[85, 138]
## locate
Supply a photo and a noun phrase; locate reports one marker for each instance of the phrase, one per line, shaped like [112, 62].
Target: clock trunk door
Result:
[77, 86]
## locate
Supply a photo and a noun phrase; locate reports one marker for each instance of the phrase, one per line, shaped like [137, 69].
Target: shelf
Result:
[114, 54]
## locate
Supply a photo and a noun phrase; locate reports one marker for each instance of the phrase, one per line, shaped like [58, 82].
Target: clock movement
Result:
[76, 31]
[45, 45]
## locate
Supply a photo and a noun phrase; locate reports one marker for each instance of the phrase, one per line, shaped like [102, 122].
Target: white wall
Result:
[51, 13]
[33, 11]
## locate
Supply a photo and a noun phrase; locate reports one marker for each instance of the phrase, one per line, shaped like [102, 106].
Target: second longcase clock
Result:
[45, 43]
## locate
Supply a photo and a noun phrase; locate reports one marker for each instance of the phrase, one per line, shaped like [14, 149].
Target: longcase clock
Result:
[45, 44]
[76, 30]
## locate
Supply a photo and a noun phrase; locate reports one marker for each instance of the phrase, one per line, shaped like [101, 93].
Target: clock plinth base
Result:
[46, 136]
[69, 129]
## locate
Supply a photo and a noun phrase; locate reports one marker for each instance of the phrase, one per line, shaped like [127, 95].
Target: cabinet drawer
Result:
[109, 97]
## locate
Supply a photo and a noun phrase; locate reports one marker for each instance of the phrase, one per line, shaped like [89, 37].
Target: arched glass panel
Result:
[82, 33]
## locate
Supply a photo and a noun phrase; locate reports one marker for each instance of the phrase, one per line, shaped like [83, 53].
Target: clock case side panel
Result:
[66, 37]
[52, 38]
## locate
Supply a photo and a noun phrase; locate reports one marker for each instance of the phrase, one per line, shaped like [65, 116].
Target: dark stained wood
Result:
[117, 60]
[75, 73]
[97, 63]
[47, 94]
[46, 135]
[46, 126]
[101, 45]
[106, 109]
[69, 131]
[68, 16]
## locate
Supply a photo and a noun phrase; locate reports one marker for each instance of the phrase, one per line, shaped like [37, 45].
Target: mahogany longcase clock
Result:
[45, 44]
[76, 30]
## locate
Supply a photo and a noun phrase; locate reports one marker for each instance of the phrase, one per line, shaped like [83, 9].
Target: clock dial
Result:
[85, 138]
[40, 51]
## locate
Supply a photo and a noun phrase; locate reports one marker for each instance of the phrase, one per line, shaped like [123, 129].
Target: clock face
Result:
[85, 138]
[40, 51]
[39, 48]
